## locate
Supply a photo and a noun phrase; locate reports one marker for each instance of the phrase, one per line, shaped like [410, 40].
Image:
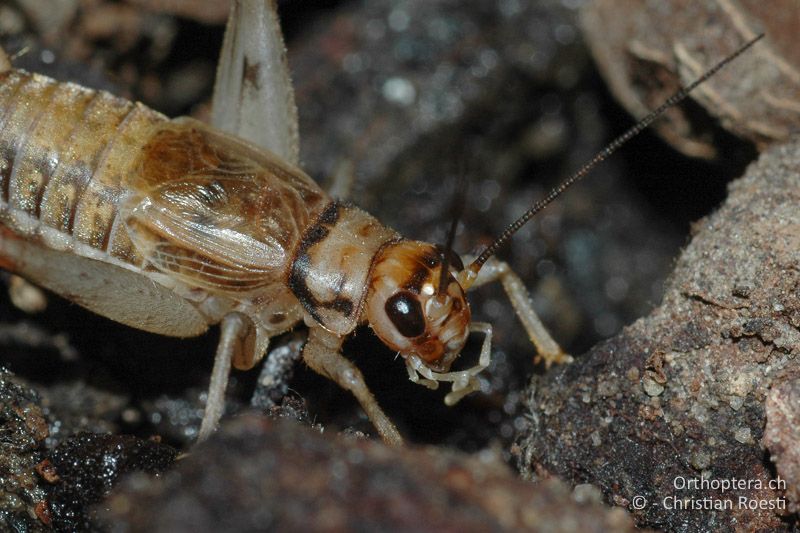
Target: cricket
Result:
[172, 226]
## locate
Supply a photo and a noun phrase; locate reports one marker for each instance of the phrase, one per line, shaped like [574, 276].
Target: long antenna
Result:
[456, 209]
[612, 147]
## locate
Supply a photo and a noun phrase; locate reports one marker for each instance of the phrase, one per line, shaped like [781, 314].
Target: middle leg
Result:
[236, 336]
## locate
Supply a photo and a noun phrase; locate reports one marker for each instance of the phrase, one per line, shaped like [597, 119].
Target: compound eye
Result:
[405, 312]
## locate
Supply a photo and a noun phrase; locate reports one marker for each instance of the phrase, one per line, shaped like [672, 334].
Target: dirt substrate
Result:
[405, 94]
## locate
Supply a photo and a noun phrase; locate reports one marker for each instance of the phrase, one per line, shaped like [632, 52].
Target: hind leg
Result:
[253, 95]
[5, 61]
[342, 181]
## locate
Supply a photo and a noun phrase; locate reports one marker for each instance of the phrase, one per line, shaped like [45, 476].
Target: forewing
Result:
[253, 96]
[214, 211]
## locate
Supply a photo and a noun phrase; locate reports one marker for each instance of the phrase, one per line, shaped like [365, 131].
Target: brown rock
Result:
[782, 435]
[646, 50]
[258, 474]
[716, 353]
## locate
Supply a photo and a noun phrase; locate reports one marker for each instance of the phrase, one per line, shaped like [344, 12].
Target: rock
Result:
[646, 50]
[782, 435]
[258, 474]
[23, 429]
[719, 357]
[83, 469]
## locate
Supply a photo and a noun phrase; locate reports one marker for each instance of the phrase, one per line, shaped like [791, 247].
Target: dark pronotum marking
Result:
[302, 263]
[298, 285]
[329, 215]
[340, 304]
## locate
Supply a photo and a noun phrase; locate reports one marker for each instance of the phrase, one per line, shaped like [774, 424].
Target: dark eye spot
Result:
[405, 312]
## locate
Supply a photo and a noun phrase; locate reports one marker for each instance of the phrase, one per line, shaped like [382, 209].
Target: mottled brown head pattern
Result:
[407, 312]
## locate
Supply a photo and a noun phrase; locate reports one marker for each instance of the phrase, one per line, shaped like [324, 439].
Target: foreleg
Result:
[323, 354]
[25, 295]
[464, 381]
[547, 349]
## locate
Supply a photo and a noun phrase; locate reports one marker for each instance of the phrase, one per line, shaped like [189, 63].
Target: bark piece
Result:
[646, 50]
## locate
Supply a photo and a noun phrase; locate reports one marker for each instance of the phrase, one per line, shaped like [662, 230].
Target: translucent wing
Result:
[253, 96]
[216, 212]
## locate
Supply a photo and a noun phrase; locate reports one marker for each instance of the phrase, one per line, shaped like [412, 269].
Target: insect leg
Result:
[322, 354]
[25, 295]
[5, 61]
[464, 381]
[236, 333]
[547, 349]
[342, 181]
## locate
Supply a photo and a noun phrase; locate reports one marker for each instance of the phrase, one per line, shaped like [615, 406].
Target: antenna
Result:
[612, 147]
[456, 209]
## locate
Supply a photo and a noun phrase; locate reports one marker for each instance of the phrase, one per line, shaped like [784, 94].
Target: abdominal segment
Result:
[65, 155]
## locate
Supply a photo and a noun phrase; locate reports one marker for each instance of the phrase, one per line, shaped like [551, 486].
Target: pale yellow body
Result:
[75, 166]
[65, 156]
[171, 226]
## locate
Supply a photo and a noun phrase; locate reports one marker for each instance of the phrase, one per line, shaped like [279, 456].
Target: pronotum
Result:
[172, 226]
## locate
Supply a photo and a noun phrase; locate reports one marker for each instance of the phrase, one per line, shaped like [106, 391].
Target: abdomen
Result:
[64, 153]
